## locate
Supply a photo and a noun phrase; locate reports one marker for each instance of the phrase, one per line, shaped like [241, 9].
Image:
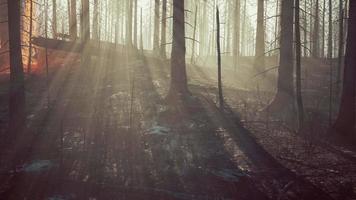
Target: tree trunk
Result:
[54, 18]
[345, 123]
[135, 25]
[221, 97]
[192, 59]
[163, 30]
[17, 85]
[85, 28]
[156, 27]
[285, 92]
[73, 20]
[96, 20]
[29, 64]
[316, 48]
[330, 32]
[236, 38]
[298, 51]
[341, 42]
[260, 38]
[129, 23]
[322, 53]
[178, 85]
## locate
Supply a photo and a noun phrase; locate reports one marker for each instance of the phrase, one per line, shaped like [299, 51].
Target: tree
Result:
[298, 52]
[345, 123]
[260, 37]
[341, 41]
[218, 49]
[156, 27]
[85, 21]
[316, 46]
[17, 84]
[129, 23]
[135, 24]
[179, 86]
[73, 30]
[236, 37]
[96, 20]
[54, 18]
[284, 98]
[163, 30]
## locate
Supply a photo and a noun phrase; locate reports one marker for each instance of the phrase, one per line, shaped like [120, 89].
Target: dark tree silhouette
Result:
[17, 85]
[345, 123]
[163, 30]
[156, 27]
[178, 85]
[73, 30]
[284, 98]
[260, 37]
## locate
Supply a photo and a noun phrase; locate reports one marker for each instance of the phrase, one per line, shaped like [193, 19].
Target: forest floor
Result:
[108, 133]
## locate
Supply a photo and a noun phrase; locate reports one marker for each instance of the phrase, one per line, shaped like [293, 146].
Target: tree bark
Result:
[284, 98]
[260, 38]
[316, 47]
[156, 27]
[298, 51]
[192, 59]
[345, 123]
[54, 18]
[163, 30]
[96, 20]
[73, 20]
[341, 42]
[17, 84]
[236, 38]
[218, 49]
[178, 87]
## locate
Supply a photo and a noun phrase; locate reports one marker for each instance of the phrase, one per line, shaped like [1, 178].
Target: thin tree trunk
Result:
[54, 18]
[164, 29]
[156, 27]
[341, 43]
[236, 39]
[135, 25]
[73, 20]
[96, 20]
[322, 54]
[141, 35]
[194, 34]
[260, 38]
[298, 67]
[243, 34]
[29, 64]
[316, 31]
[221, 97]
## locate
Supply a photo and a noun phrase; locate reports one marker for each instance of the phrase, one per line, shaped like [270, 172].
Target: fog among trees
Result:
[178, 99]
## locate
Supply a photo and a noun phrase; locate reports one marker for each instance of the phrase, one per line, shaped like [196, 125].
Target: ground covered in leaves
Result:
[105, 131]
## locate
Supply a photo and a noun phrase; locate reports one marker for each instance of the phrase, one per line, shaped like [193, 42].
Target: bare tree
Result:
[73, 30]
[156, 27]
[260, 38]
[284, 98]
[345, 122]
[17, 84]
[163, 30]
[298, 52]
[179, 86]
[236, 36]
